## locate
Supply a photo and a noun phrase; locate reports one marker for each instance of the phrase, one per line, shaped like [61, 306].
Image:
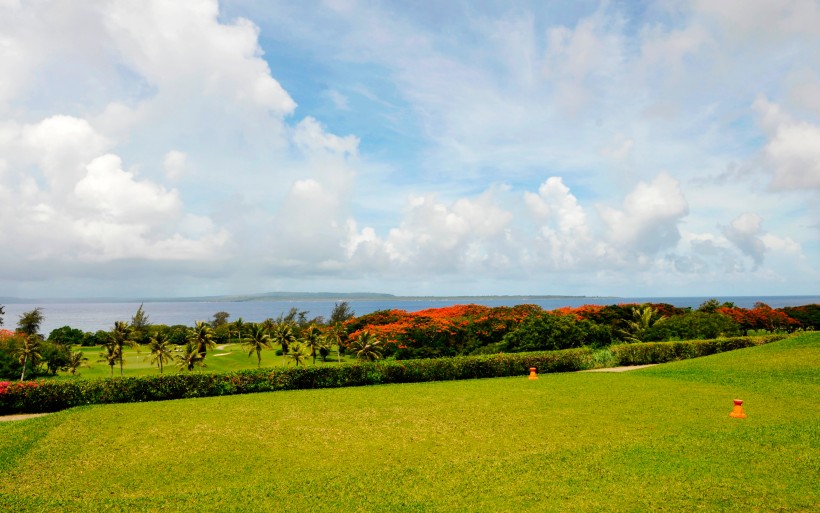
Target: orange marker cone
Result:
[533, 375]
[737, 413]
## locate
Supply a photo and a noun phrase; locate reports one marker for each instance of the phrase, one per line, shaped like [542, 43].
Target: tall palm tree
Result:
[312, 338]
[238, 326]
[298, 353]
[29, 351]
[258, 341]
[284, 336]
[202, 337]
[110, 355]
[334, 336]
[367, 346]
[190, 357]
[122, 336]
[161, 350]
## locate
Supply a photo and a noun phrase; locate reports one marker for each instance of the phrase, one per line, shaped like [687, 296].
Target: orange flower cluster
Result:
[448, 328]
[761, 317]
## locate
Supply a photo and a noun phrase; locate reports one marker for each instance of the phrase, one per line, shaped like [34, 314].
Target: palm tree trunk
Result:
[25, 361]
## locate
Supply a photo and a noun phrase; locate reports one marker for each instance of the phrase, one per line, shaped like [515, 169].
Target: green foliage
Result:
[807, 315]
[67, 336]
[30, 322]
[693, 325]
[546, 332]
[220, 319]
[140, 326]
[10, 367]
[54, 356]
[643, 318]
[661, 352]
[341, 313]
[256, 342]
[98, 338]
[366, 347]
[191, 356]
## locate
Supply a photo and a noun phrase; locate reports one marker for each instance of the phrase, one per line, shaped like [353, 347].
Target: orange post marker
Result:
[737, 413]
[533, 375]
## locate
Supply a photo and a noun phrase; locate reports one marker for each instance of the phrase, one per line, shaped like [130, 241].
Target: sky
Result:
[204, 147]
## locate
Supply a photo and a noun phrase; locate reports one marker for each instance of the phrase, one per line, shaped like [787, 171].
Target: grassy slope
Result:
[658, 438]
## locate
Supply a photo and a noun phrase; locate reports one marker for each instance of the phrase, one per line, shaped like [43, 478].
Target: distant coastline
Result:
[291, 296]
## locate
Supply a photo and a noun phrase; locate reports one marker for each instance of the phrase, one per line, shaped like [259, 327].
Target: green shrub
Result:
[693, 325]
[660, 352]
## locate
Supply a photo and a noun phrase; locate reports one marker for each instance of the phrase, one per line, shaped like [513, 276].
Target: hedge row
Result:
[50, 396]
[661, 352]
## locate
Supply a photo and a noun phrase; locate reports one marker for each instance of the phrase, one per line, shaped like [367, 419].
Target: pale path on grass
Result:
[621, 369]
[20, 416]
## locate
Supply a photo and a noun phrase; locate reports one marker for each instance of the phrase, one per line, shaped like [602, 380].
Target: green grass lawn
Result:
[228, 357]
[657, 439]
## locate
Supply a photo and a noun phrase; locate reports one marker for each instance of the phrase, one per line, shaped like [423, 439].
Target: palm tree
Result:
[121, 336]
[268, 324]
[643, 318]
[30, 350]
[202, 337]
[367, 346]
[298, 353]
[110, 355]
[161, 351]
[334, 336]
[258, 341]
[284, 336]
[238, 326]
[75, 361]
[312, 338]
[190, 357]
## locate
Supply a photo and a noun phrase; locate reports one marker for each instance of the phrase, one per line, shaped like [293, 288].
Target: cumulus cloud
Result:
[793, 148]
[648, 220]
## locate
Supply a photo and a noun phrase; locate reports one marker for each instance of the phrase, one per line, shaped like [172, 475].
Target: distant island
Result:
[288, 296]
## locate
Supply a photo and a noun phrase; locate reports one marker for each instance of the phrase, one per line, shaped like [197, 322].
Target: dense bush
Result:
[550, 332]
[808, 315]
[693, 325]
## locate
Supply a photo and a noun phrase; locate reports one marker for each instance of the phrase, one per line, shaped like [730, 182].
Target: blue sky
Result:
[199, 147]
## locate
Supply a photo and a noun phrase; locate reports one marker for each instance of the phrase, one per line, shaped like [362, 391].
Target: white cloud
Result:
[114, 194]
[181, 45]
[311, 136]
[648, 220]
[174, 164]
[62, 146]
[793, 149]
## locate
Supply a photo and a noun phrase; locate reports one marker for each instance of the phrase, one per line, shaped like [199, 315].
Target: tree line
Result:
[396, 334]
[27, 352]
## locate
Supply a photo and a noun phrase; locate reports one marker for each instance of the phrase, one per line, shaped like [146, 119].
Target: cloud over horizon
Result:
[202, 147]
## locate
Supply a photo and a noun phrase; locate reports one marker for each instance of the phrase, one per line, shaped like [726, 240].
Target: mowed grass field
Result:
[656, 439]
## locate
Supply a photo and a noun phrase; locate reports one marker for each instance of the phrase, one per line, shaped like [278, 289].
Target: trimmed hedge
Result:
[661, 352]
[50, 396]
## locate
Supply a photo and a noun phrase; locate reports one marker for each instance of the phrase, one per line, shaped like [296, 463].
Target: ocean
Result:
[101, 316]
